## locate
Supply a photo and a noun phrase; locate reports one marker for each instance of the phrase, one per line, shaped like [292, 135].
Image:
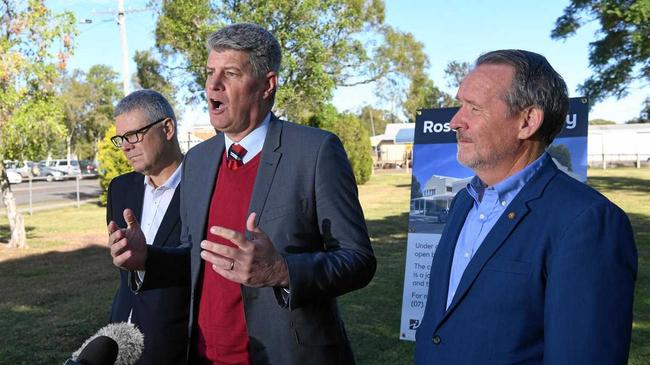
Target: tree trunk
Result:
[16, 225]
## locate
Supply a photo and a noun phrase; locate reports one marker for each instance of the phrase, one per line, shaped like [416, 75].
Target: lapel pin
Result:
[511, 215]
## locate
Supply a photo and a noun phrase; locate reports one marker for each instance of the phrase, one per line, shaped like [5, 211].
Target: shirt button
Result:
[482, 216]
[504, 203]
[466, 254]
[436, 340]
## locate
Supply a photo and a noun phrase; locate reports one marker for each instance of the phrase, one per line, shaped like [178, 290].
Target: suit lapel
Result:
[267, 167]
[510, 218]
[199, 181]
[170, 220]
[445, 252]
[135, 197]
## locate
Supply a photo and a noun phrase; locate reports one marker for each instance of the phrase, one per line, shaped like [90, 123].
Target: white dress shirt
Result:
[155, 203]
[254, 141]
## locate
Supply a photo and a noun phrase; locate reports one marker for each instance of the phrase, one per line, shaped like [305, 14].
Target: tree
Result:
[29, 34]
[88, 100]
[621, 54]
[325, 44]
[562, 154]
[407, 83]
[354, 137]
[150, 75]
[416, 188]
[375, 120]
[112, 163]
[601, 122]
[455, 72]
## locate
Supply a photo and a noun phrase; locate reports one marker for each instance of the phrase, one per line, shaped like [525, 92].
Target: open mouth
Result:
[216, 105]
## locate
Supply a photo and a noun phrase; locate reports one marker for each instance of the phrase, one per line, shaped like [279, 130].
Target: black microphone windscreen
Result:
[102, 350]
[129, 339]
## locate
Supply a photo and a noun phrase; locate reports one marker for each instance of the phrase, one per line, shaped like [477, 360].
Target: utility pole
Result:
[372, 122]
[121, 22]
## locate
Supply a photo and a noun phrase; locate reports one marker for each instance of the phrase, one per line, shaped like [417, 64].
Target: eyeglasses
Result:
[135, 136]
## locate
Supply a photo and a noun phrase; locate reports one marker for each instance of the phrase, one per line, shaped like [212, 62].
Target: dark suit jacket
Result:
[551, 283]
[161, 314]
[306, 199]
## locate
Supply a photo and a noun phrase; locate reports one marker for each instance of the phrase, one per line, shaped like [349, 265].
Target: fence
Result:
[605, 161]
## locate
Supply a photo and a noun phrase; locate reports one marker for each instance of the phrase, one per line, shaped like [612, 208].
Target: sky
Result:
[453, 30]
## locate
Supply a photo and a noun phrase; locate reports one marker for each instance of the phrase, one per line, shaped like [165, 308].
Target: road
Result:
[55, 192]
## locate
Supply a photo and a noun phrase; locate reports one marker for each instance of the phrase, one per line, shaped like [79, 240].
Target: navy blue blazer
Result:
[161, 314]
[552, 283]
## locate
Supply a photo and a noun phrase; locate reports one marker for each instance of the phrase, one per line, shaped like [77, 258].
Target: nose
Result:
[457, 120]
[126, 146]
[213, 82]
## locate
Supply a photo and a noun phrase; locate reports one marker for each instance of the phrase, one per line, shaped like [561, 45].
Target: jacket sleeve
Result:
[590, 286]
[347, 261]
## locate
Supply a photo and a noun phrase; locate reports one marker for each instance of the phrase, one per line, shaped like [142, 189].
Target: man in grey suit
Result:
[268, 206]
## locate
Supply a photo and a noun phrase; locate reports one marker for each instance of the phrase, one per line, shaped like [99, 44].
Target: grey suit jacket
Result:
[306, 201]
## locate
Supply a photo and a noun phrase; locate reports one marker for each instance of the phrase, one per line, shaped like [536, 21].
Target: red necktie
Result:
[235, 158]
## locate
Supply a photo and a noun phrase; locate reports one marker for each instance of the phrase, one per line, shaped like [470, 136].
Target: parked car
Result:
[26, 168]
[88, 168]
[71, 170]
[48, 173]
[14, 177]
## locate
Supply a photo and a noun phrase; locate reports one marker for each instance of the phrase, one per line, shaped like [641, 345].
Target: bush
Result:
[112, 163]
[356, 143]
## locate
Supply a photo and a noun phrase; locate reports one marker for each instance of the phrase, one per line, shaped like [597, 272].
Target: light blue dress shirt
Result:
[489, 204]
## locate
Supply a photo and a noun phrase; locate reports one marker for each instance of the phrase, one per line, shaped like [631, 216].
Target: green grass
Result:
[57, 292]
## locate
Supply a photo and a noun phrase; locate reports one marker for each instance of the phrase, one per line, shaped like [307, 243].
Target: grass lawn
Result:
[56, 293]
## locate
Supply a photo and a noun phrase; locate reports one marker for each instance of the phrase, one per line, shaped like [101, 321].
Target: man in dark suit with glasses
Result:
[146, 132]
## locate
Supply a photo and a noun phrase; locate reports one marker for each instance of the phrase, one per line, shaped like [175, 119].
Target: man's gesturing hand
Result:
[128, 245]
[253, 263]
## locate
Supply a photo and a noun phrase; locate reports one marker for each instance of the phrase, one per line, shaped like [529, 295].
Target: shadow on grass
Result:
[5, 233]
[614, 183]
[372, 315]
[52, 302]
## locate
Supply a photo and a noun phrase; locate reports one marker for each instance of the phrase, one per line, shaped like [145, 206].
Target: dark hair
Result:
[263, 49]
[150, 102]
[535, 83]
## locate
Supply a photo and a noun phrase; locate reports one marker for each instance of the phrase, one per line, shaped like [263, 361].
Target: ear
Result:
[169, 128]
[532, 119]
[271, 85]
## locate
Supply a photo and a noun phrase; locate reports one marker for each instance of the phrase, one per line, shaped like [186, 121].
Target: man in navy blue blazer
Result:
[533, 267]
[146, 132]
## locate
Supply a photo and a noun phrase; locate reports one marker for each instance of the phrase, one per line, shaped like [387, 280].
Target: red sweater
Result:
[222, 334]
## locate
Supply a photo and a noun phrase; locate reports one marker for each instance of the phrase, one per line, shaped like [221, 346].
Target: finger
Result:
[228, 274]
[130, 219]
[254, 229]
[116, 236]
[119, 247]
[112, 227]
[121, 259]
[233, 236]
[219, 249]
[217, 260]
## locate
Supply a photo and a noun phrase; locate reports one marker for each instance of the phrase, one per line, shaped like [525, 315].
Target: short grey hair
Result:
[152, 103]
[263, 49]
[535, 83]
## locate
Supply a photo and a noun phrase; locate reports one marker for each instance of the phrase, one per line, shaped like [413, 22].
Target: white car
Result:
[14, 177]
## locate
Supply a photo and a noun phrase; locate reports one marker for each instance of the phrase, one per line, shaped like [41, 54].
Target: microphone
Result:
[116, 344]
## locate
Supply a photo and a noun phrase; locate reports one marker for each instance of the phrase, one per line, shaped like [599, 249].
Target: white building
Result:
[618, 144]
[387, 148]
